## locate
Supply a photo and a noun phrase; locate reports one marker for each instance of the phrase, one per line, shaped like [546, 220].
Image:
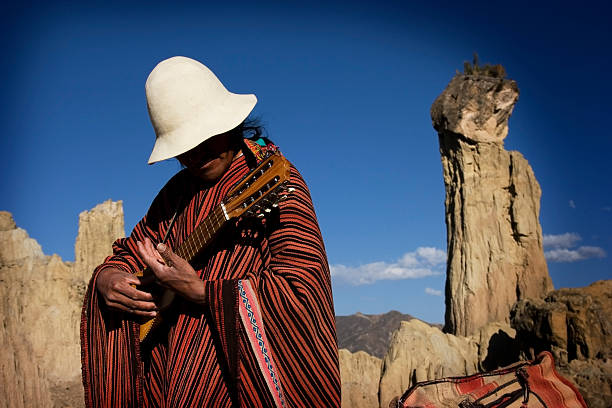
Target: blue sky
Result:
[345, 90]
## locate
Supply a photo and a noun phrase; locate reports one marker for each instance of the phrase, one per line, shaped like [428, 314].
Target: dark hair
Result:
[250, 128]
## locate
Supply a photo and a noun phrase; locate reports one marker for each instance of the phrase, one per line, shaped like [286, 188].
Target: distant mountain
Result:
[369, 333]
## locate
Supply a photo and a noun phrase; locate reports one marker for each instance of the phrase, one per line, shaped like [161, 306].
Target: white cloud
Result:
[425, 261]
[562, 248]
[431, 255]
[572, 204]
[433, 292]
[567, 240]
[573, 255]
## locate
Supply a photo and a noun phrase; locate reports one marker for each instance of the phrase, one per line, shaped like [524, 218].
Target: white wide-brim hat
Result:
[188, 105]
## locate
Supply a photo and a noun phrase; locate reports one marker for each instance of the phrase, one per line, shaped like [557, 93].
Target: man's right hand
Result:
[115, 286]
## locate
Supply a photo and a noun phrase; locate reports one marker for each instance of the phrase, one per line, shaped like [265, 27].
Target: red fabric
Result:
[526, 384]
[476, 388]
[201, 356]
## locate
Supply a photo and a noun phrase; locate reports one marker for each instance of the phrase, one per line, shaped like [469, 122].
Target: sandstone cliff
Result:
[360, 374]
[494, 238]
[98, 228]
[40, 309]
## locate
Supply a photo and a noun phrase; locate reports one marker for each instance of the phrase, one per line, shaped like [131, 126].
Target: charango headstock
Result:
[261, 189]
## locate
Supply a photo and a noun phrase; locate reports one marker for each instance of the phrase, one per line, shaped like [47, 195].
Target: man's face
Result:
[210, 159]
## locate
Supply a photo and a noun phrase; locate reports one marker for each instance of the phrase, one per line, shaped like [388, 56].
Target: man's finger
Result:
[119, 306]
[133, 305]
[133, 279]
[149, 258]
[167, 254]
[136, 294]
[148, 244]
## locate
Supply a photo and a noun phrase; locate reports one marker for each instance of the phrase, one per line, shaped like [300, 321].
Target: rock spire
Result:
[494, 238]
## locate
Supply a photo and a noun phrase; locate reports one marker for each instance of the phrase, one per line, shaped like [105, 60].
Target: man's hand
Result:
[115, 286]
[172, 271]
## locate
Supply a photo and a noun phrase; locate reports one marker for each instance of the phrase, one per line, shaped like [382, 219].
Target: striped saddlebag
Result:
[527, 384]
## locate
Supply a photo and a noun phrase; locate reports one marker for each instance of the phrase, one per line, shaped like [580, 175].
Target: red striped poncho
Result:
[213, 355]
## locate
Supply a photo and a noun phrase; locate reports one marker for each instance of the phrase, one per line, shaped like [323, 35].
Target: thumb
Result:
[167, 255]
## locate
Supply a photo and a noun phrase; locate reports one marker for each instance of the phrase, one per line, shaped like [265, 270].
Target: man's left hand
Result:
[172, 271]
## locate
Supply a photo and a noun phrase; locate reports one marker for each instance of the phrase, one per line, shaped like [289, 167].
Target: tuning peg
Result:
[291, 189]
[260, 215]
[275, 205]
[267, 210]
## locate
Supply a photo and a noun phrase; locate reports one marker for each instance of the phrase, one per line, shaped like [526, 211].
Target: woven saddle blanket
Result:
[527, 384]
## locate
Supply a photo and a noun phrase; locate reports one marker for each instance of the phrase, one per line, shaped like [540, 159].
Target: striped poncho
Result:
[267, 335]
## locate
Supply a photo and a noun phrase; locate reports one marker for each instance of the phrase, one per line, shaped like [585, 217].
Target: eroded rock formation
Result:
[98, 227]
[494, 238]
[575, 325]
[360, 373]
[40, 310]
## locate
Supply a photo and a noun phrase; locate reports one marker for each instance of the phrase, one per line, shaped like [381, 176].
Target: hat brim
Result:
[226, 116]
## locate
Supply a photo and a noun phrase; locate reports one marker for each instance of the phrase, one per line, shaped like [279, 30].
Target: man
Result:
[204, 353]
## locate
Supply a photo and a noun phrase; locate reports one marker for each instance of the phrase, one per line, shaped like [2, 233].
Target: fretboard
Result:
[202, 235]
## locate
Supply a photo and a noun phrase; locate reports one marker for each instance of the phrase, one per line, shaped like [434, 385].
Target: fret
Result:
[185, 250]
[205, 235]
[190, 248]
[206, 226]
[219, 216]
[209, 235]
[218, 219]
[198, 240]
[194, 248]
[180, 251]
